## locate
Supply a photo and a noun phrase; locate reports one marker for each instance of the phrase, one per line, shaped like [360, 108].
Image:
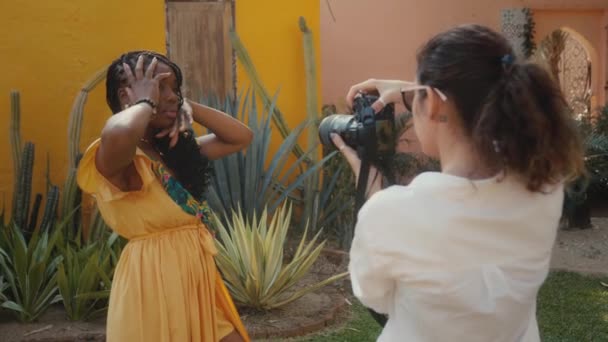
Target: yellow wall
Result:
[50, 48]
[270, 32]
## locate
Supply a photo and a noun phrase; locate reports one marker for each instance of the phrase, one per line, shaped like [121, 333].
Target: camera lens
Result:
[336, 123]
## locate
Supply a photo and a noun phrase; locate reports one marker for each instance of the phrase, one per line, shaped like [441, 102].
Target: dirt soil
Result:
[584, 251]
[52, 326]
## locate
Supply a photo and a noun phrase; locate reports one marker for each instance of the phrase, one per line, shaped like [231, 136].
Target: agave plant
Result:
[30, 270]
[249, 179]
[84, 277]
[3, 286]
[251, 259]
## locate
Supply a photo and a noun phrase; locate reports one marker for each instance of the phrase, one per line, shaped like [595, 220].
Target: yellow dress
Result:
[166, 285]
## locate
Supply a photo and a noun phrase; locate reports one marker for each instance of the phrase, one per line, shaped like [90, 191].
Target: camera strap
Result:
[360, 196]
[365, 153]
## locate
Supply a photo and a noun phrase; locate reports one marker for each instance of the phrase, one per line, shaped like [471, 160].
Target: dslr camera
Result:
[371, 134]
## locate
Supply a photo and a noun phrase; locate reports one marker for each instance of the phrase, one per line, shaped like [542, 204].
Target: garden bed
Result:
[310, 313]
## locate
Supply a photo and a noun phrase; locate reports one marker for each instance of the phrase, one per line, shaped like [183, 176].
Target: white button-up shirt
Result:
[450, 259]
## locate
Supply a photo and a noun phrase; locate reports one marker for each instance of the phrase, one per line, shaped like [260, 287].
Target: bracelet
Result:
[149, 102]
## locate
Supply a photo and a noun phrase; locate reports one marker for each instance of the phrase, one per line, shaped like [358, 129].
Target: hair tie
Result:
[507, 61]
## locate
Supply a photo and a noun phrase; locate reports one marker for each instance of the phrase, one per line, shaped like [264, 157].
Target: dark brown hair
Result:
[514, 112]
[190, 167]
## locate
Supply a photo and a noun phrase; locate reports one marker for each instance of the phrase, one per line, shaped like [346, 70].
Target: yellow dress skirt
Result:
[166, 286]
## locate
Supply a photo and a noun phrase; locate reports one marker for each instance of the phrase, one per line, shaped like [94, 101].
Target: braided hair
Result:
[191, 168]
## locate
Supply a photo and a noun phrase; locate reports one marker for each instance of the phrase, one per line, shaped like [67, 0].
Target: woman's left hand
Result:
[374, 182]
[182, 123]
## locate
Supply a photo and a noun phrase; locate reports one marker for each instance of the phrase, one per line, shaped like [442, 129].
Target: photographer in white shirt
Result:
[459, 255]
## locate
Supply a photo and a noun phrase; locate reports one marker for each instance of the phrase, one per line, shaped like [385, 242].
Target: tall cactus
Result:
[71, 193]
[23, 165]
[23, 191]
[15, 129]
[260, 90]
[31, 226]
[50, 210]
[311, 188]
[76, 115]
[15, 140]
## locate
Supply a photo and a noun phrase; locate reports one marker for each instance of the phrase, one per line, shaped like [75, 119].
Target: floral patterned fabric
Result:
[181, 196]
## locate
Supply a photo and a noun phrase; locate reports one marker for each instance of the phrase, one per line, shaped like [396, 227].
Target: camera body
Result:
[372, 134]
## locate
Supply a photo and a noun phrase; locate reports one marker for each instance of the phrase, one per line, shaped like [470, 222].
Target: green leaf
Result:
[251, 259]
[10, 305]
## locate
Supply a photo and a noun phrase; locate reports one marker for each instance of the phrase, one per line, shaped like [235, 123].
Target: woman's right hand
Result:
[143, 85]
[389, 91]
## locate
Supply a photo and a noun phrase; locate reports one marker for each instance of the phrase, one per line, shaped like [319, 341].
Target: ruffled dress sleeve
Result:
[91, 181]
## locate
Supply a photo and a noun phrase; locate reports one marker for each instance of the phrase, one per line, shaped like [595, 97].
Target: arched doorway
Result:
[568, 56]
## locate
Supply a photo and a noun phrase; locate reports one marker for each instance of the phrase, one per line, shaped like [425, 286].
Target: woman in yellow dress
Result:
[148, 173]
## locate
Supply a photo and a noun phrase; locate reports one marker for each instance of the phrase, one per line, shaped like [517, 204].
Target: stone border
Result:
[324, 322]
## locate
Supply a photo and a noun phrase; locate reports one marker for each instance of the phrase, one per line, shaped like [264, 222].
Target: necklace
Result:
[152, 146]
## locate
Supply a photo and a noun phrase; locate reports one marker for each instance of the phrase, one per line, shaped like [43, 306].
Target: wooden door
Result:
[198, 41]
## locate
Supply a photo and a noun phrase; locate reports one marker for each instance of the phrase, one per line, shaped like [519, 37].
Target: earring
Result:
[496, 146]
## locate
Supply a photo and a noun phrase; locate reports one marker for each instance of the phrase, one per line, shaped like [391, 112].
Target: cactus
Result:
[15, 130]
[72, 197]
[47, 174]
[23, 164]
[70, 189]
[277, 116]
[76, 115]
[50, 210]
[34, 214]
[21, 206]
[15, 139]
[2, 222]
[311, 188]
[71, 193]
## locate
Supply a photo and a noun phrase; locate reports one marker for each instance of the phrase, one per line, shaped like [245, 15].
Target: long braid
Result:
[190, 167]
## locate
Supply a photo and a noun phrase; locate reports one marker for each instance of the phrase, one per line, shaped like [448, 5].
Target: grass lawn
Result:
[571, 307]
